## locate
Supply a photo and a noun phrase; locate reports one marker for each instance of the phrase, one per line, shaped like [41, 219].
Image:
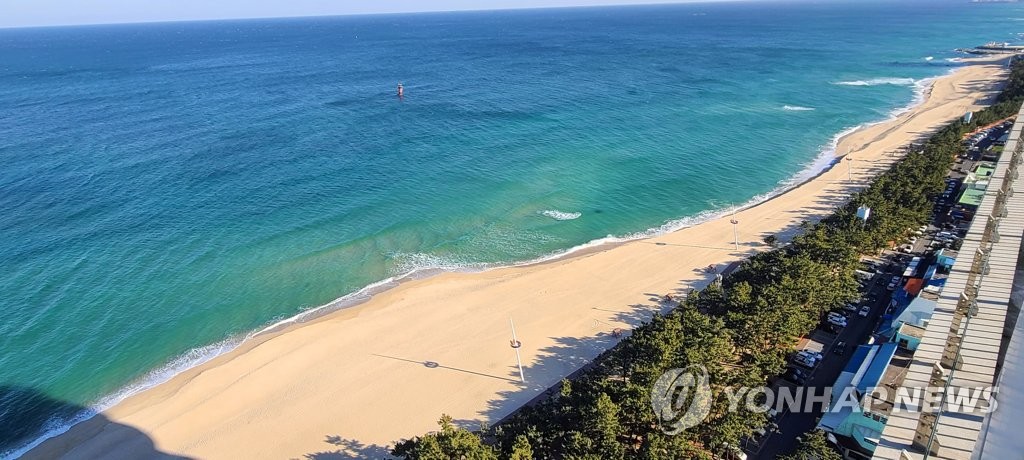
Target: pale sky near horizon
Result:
[26, 13]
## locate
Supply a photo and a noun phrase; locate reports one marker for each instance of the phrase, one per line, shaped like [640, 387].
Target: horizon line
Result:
[383, 13]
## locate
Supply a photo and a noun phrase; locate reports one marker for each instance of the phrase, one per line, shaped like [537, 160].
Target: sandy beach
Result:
[352, 382]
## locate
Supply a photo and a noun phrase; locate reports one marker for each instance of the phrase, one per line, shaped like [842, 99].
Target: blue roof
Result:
[913, 313]
[876, 370]
[931, 272]
[919, 310]
[857, 359]
[901, 296]
[884, 324]
[943, 259]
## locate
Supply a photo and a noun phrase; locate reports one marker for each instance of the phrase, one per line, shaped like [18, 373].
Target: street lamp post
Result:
[735, 232]
[849, 168]
[515, 345]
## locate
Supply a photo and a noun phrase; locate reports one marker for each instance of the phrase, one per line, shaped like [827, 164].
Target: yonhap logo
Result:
[682, 398]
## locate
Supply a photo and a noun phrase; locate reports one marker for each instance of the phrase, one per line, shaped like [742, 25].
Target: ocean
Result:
[169, 189]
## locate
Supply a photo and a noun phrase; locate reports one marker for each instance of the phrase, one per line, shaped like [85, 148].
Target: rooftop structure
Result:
[976, 184]
[965, 340]
[857, 412]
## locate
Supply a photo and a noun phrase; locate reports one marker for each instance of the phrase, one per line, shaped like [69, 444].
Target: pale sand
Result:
[355, 380]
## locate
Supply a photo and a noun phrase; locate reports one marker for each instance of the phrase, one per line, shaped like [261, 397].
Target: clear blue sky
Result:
[21, 13]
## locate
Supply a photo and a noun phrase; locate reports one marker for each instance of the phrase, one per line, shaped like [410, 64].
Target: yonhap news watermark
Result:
[683, 398]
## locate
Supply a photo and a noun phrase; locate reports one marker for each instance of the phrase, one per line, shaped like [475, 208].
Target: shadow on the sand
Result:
[436, 365]
[26, 413]
[349, 449]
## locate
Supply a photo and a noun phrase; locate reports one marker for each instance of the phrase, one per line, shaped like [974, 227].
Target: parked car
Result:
[804, 361]
[811, 354]
[864, 311]
[850, 307]
[840, 322]
[839, 348]
[795, 375]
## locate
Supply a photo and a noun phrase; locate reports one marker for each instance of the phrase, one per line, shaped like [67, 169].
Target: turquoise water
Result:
[169, 188]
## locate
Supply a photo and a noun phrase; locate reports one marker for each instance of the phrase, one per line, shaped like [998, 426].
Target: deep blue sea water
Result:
[166, 189]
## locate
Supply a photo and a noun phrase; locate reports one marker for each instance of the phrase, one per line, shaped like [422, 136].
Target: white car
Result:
[864, 311]
[850, 307]
[841, 322]
[814, 355]
[805, 361]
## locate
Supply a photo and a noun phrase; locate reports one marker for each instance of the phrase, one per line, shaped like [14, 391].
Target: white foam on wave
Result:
[826, 158]
[561, 215]
[797, 108]
[410, 264]
[879, 81]
[922, 88]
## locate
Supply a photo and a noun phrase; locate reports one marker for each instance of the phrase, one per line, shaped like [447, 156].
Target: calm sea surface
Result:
[167, 189]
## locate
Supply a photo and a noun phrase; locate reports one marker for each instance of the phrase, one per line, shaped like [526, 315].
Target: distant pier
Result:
[994, 48]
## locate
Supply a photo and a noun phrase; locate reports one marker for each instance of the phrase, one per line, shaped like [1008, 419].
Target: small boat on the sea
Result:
[401, 90]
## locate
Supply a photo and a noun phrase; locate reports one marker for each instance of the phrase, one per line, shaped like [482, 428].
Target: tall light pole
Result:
[849, 167]
[735, 232]
[515, 345]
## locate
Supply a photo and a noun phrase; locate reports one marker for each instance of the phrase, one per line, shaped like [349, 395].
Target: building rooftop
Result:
[1000, 437]
[977, 183]
[961, 340]
[895, 372]
[912, 331]
[874, 372]
[972, 197]
[916, 313]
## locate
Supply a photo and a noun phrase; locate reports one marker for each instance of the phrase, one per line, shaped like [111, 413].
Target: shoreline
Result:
[240, 343]
[355, 304]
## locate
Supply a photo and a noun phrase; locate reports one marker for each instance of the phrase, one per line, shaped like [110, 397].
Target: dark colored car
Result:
[839, 349]
[795, 375]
